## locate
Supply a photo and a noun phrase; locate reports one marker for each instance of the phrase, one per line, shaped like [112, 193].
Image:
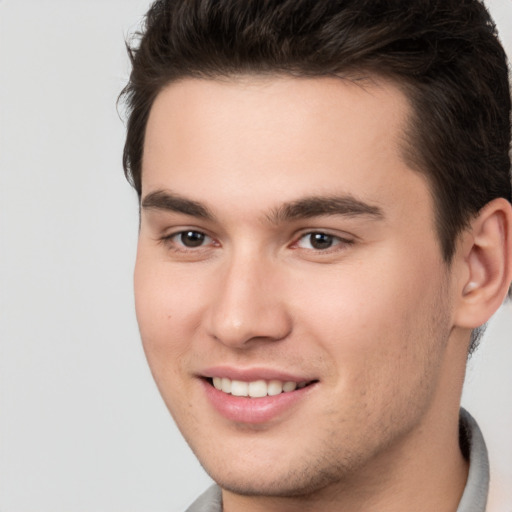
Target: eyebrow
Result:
[316, 206]
[303, 208]
[168, 201]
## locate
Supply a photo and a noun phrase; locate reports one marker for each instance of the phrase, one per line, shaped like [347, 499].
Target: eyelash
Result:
[171, 242]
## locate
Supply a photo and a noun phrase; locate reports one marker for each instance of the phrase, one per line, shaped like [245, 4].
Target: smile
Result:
[255, 396]
[257, 388]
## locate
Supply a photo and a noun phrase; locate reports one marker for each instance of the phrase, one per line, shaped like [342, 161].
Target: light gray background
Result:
[82, 427]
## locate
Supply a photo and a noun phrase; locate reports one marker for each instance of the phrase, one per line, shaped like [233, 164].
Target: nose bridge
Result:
[246, 305]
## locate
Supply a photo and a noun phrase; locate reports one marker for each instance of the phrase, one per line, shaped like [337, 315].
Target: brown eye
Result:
[318, 241]
[321, 240]
[191, 238]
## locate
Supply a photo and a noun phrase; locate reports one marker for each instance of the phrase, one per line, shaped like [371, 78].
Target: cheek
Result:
[377, 314]
[165, 300]
[168, 307]
[151, 307]
[161, 316]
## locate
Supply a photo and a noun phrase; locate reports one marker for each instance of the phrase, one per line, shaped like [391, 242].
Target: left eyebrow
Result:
[316, 206]
[168, 201]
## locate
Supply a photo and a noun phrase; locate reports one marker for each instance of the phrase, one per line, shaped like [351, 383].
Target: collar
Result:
[474, 498]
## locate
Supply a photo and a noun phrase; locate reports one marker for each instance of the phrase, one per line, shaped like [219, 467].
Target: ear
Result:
[484, 260]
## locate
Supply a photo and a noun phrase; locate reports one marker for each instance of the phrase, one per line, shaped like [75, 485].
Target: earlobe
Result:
[486, 258]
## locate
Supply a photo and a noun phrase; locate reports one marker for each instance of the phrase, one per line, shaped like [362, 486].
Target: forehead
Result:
[266, 140]
[276, 113]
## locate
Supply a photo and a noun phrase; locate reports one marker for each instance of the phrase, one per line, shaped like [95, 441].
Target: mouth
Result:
[255, 397]
[257, 388]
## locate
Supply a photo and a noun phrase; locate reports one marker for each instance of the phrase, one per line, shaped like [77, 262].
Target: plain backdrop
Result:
[82, 427]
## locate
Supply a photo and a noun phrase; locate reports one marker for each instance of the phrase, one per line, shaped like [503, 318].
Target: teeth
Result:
[226, 385]
[239, 388]
[274, 387]
[289, 386]
[257, 388]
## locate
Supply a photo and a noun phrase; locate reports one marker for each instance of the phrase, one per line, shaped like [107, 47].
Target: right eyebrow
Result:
[168, 201]
[315, 206]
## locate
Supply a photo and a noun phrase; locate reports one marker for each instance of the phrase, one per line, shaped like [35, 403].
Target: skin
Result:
[372, 319]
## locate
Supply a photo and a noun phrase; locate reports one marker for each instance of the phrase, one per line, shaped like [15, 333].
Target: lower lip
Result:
[253, 410]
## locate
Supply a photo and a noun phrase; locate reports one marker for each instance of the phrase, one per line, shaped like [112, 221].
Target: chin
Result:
[286, 486]
[267, 478]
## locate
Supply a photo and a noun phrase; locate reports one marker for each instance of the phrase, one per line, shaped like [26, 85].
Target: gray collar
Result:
[473, 499]
[209, 501]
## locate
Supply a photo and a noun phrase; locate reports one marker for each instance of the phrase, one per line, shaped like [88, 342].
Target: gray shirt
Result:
[473, 499]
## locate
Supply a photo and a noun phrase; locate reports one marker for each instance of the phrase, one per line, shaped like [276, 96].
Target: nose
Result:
[248, 304]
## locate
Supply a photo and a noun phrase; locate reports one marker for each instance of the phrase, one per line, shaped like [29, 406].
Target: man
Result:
[325, 225]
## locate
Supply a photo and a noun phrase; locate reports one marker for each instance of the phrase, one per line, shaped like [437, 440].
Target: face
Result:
[290, 291]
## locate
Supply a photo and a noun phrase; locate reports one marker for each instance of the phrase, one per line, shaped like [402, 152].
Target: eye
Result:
[190, 239]
[319, 241]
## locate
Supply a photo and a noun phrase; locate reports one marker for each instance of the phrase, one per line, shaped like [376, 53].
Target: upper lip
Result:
[253, 374]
